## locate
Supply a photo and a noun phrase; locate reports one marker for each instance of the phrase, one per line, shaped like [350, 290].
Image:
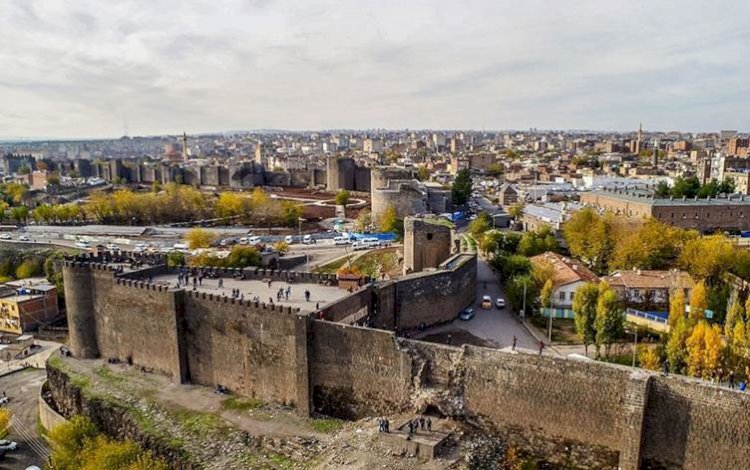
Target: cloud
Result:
[81, 69]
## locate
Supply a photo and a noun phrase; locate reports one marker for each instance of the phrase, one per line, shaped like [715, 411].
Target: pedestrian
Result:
[307, 295]
[317, 305]
[381, 425]
[421, 422]
[514, 342]
[449, 341]
[270, 300]
[541, 347]
[429, 423]
[221, 282]
[665, 368]
[269, 283]
[200, 280]
[731, 379]
[195, 283]
[387, 425]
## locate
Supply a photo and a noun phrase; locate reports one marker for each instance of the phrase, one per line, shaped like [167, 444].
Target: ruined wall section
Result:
[254, 349]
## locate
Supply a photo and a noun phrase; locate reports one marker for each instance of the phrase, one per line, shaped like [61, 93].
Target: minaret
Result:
[655, 156]
[184, 147]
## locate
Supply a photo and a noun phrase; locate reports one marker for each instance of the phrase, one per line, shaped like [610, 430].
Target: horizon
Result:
[93, 71]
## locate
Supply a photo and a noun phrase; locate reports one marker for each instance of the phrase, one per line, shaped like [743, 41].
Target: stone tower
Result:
[427, 243]
[79, 303]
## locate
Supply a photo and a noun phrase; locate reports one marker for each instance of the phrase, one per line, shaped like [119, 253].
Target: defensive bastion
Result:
[580, 413]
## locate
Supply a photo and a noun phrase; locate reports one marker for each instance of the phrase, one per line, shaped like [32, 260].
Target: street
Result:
[495, 327]
[23, 388]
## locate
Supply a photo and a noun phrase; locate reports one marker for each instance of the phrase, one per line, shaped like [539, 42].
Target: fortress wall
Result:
[356, 304]
[250, 348]
[136, 322]
[435, 297]
[694, 425]
[357, 372]
[547, 405]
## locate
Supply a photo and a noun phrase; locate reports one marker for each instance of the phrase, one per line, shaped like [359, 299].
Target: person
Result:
[428, 421]
[307, 295]
[421, 422]
[269, 283]
[731, 379]
[541, 347]
[387, 425]
[317, 305]
[381, 425]
[665, 368]
[450, 339]
[221, 282]
[514, 342]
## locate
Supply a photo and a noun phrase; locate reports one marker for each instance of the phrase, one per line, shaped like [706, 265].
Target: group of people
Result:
[285, 293]
[423, 423]
[384, 425]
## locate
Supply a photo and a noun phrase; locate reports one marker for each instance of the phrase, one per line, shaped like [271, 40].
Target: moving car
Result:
[82, 244]
[343, 240]
[486, 302]
[24, 238]
[5, 236]
[500, 302]
[466, 315]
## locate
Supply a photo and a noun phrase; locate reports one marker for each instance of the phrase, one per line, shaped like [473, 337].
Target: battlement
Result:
[259, 306]
[142, 284]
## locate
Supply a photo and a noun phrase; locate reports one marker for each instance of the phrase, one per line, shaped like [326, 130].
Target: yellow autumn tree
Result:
[199, 238]
[648, 357]
[734, 315]
[703, 350]
[698, 302]
[5, 418]
[676, 307]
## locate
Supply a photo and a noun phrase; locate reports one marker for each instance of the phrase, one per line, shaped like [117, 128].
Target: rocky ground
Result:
[216, 431]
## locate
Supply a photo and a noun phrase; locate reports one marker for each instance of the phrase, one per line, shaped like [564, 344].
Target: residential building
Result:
[649, 290]
[568, 276]
[26, 304]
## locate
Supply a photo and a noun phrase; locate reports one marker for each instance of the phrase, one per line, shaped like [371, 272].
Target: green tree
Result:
[230, 205]
[495, 169]
[30, 267]
[423, 173]
[516, 210]
[243, 256]
[591, 238]
[175, 258]
[479, 226]
[462, 187]
[585, 303]
[68, 441]
[610, 319]
[706, 258]
[545, 295]
[342, 197]
[20, 214]
[389, 220]
[363, 222]
[291, 212]
[514, 288]
[676, 345]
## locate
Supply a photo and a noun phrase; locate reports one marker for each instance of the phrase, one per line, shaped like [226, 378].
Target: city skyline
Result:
[102, 72]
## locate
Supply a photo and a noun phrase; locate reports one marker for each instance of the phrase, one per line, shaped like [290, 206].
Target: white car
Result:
[24, 238]
[82, 244]
[289, 239]
[500, 302]
[243, 241]
[307, 239]
[341, 240]
[5, 236]
[6, 445]
[253, 240]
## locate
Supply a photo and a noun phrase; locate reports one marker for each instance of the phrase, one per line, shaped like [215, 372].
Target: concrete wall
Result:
[48, 417]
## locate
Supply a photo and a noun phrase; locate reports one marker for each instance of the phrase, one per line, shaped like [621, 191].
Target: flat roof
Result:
[643, 197]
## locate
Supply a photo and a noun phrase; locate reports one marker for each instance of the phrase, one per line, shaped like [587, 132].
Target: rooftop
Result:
[642, 279]
[647, 197]
[567, 270]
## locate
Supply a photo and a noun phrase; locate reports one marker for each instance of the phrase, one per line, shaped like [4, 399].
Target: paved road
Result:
[496, 326]
[23, 390]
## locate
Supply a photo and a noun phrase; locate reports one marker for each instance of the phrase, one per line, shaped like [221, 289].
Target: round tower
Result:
[79, 304]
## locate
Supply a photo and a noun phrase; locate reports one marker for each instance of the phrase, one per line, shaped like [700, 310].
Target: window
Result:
[562, 295]
[429, 236]
[572, 294]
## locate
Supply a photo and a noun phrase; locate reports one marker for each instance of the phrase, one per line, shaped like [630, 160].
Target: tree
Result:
[514, 288]
[590, 238]
[511, 266]
[706, 258]
[230, 205]
[199, 238]
[68, 440]
[648, 357]
[542, 271]
[703, 350]
[687, 187]
[281, 246]
[537, 242]
[734, 315]
[584, 313]
[342, 197]
[479, 226]
[291, 212]
[495, 169]
[698, 302]
[676, 307]
[16, 191]
[423, 173]
[19, 214]
[609, 318]
[462, 187]
[5, 418]
[546, 293]
[363, 222]
[654, 245]
[243, 256]
[516, 210]
[389, 219]
[676, 345]
[175, 259]
[30, 267]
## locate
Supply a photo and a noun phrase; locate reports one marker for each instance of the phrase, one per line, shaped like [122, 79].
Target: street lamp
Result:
[635, 342]
[307, 257]
[549, 337]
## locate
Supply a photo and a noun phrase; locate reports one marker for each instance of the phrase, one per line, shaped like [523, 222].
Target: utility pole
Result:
[549, 337]
[523, 312]
[635, 345]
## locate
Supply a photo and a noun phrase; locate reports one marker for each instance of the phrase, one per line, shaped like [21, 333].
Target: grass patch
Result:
[198, 422]
[241, 404]
[106, 374]
[327, 425]
[80, 381]
[280, 461]
[55, 362]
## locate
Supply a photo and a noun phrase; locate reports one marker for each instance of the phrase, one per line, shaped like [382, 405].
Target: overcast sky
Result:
[92, 68]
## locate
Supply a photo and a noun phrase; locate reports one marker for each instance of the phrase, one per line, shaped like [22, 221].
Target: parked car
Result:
[24, 238]
[289, 239]
[7, 445]
[4, 400]
[466, 315]
[500, 302]
[307, 239]
[486, 302]
[254, 240]
[82, 244]
[342, 240]
[5, 236]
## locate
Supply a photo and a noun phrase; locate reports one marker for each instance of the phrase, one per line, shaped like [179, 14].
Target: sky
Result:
[97, 69]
